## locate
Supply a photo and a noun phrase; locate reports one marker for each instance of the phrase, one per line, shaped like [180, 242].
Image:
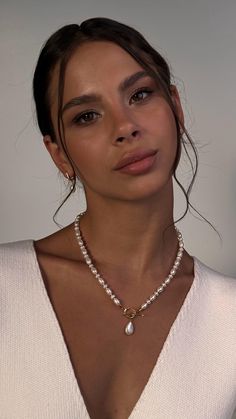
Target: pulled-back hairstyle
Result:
[58, 50]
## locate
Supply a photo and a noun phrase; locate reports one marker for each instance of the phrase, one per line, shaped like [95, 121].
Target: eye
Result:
[86, 117]
[141, 95]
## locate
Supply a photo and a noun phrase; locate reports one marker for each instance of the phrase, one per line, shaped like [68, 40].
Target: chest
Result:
[111, 368]
[194, 376]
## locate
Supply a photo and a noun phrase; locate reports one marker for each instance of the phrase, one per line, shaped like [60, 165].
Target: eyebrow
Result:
[129, 81]
[89, 98]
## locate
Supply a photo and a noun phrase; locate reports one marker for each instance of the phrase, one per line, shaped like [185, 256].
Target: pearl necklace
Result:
[129, 312]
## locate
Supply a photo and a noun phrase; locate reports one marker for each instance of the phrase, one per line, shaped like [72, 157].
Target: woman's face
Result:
[113, 110]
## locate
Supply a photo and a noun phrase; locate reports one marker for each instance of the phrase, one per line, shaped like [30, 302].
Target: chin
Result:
[144, 190]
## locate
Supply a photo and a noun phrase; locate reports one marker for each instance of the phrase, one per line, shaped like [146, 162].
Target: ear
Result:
[177, 104]
[58, 156]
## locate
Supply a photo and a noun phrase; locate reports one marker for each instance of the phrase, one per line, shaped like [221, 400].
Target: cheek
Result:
[88, 159]
[165, 130]
[162, 125]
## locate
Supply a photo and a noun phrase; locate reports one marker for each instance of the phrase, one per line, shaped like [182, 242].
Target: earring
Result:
[71, 180]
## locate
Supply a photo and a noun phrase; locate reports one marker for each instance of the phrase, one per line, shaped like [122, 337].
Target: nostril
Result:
[133, 134]
[120, 139]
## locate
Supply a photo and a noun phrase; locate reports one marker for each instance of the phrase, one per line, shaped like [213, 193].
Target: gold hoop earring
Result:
[72, 181]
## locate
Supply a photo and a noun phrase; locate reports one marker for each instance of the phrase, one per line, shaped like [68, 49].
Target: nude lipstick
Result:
[137, 162]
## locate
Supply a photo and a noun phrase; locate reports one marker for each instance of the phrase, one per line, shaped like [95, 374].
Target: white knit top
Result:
[194, 377]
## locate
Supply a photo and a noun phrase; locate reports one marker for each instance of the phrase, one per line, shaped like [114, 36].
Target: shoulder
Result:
[13, 248]
[55, 245]
[212, 275]
[219, 286]
[59, 245]
[14, 254]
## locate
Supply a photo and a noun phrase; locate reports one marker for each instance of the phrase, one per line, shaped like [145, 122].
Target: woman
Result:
[110, 317]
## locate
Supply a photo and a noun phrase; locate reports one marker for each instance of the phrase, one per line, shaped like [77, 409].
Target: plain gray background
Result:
[198, 39]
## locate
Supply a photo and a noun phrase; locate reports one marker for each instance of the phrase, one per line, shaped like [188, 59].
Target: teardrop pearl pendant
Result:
[129, 328]
[129, 312]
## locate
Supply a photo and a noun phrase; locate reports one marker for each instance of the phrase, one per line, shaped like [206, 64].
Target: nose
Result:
[129, 136]
[125, 127]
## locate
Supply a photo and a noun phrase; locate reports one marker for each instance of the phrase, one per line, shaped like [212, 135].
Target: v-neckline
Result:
[160, 359]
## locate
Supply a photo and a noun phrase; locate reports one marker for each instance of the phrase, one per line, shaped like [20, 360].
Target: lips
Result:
[133, 157]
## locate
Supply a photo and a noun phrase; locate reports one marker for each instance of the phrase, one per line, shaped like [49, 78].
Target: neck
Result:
[132, 240]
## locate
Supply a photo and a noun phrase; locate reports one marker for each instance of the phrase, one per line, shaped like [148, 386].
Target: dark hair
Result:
[58, 50]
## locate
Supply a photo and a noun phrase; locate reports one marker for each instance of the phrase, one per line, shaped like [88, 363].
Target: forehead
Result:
[102, 52]
[94, 67]
[96, 63]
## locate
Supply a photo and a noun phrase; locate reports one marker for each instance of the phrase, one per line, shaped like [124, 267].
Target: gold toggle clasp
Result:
[131, 313]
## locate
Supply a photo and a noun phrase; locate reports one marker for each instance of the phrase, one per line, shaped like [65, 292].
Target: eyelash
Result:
[78, 118]
[143, 90]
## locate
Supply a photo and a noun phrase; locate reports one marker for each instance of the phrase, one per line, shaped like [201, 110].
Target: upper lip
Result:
[134, 156]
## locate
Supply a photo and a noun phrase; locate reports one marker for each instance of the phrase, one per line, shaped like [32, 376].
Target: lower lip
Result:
[139, 167]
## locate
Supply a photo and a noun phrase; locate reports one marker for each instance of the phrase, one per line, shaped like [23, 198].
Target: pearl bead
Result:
[109, 292]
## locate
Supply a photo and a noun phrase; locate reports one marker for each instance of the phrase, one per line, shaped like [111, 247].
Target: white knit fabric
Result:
[194, 377]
